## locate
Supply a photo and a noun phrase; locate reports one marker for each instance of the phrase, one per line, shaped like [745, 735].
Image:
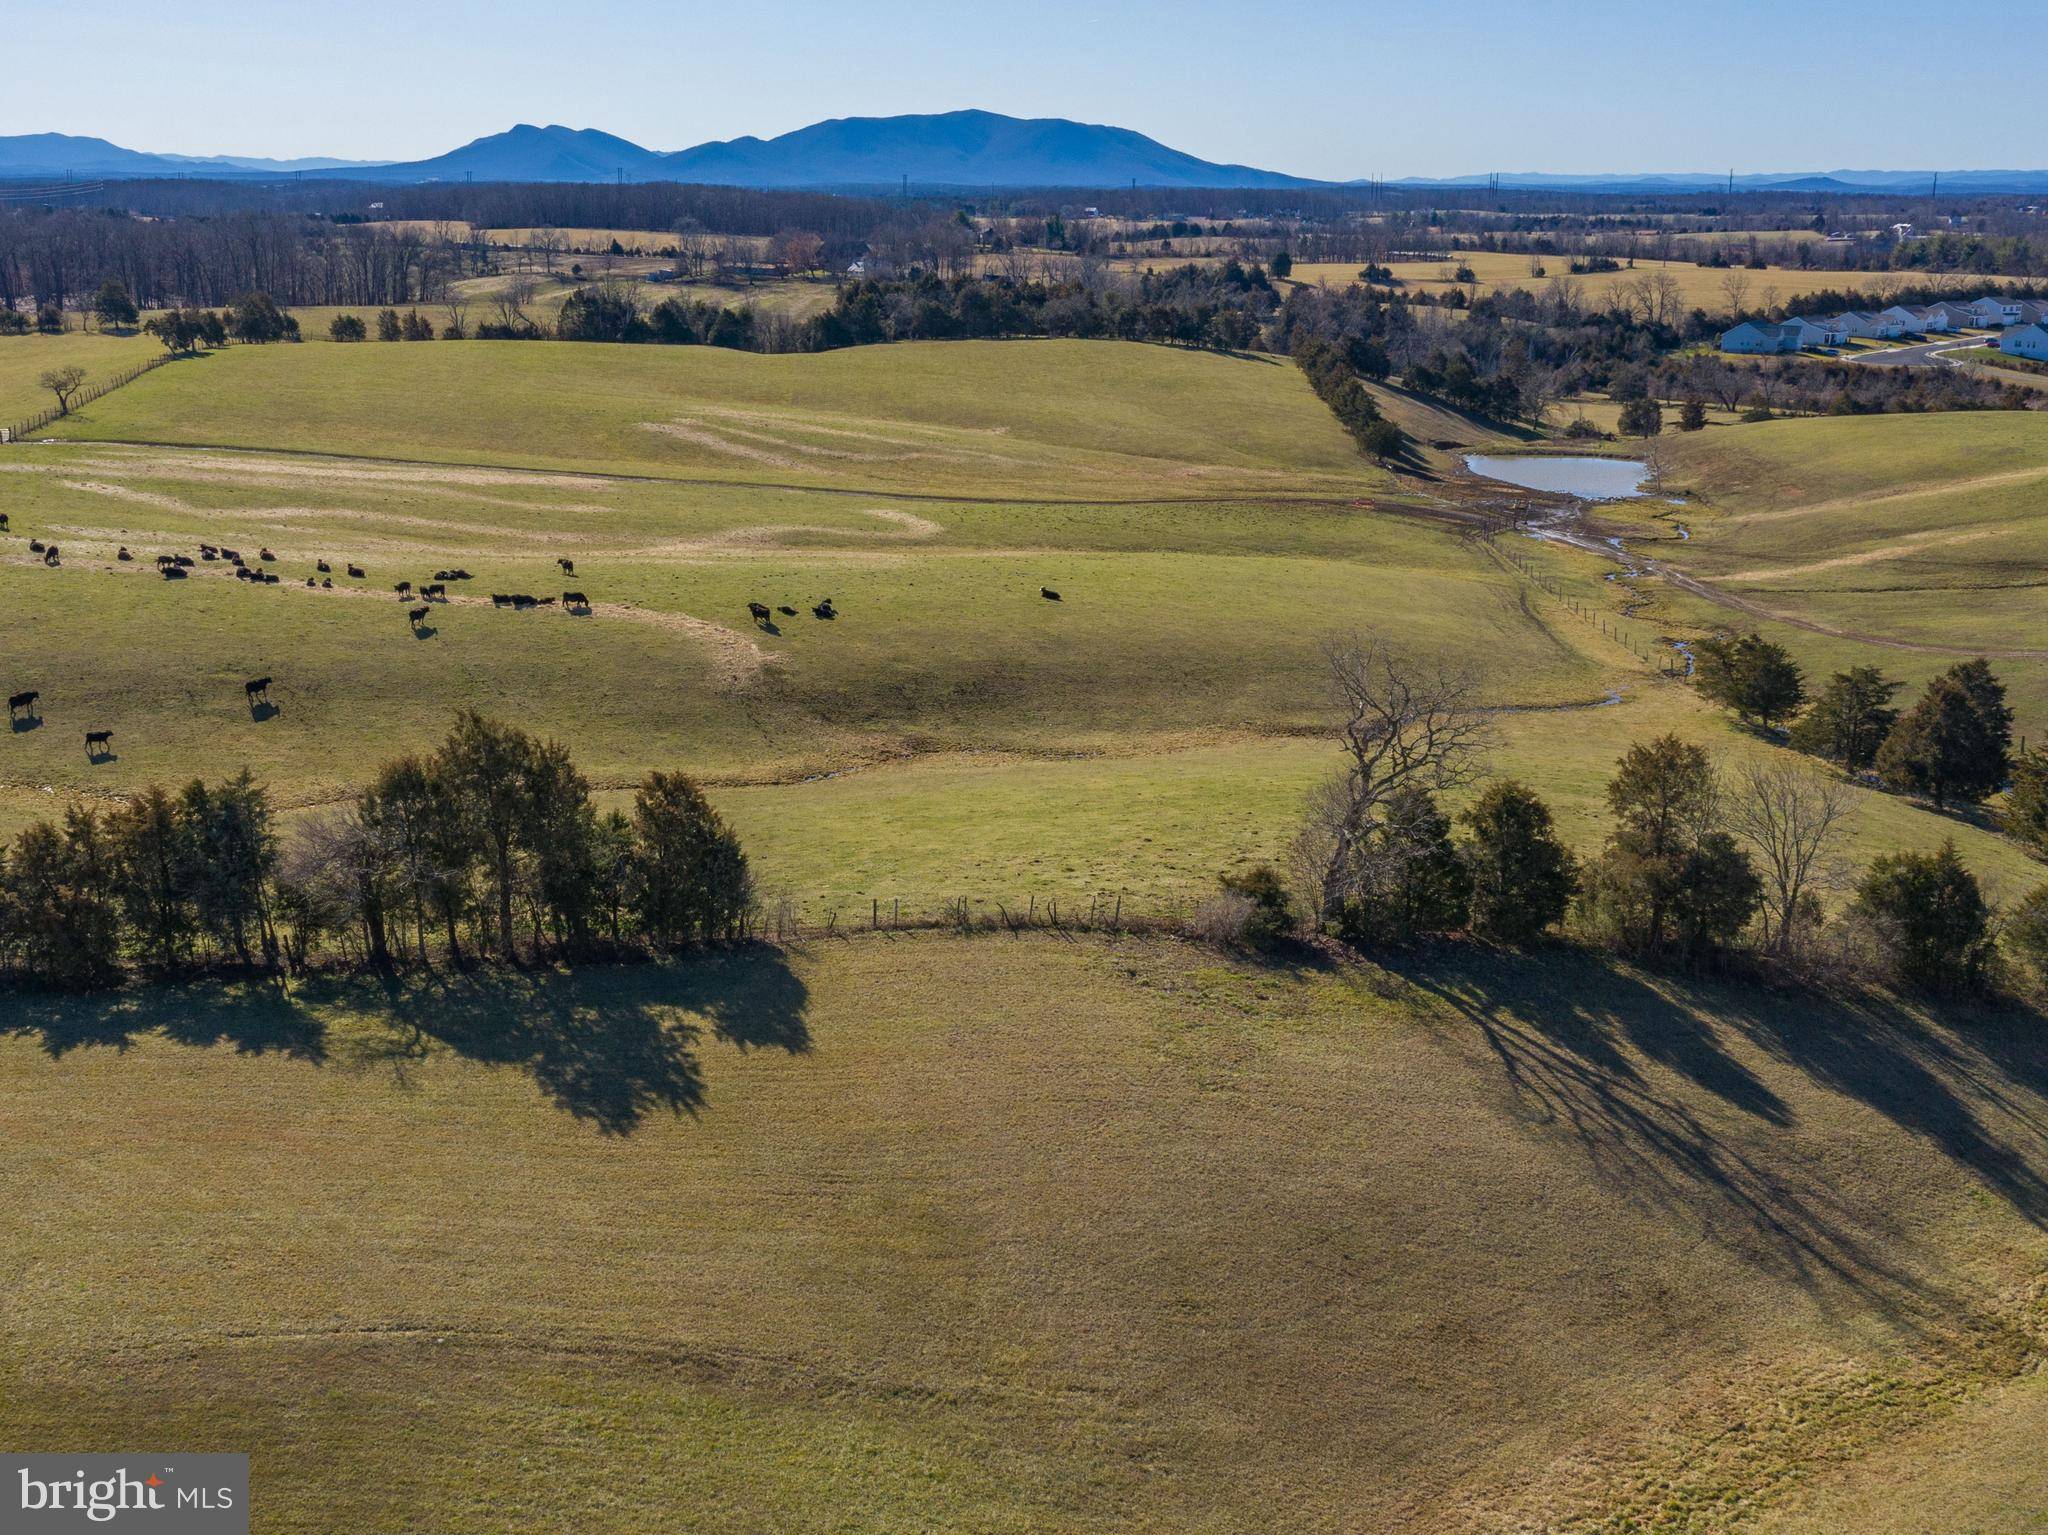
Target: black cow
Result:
[209, 550]
[322, 567]
[23, 703]
[257, 691]
[575, 600]
[415, 616]
[402, 588]
[268, 579]
[357, 572]
[182, 561]
[266, 556]
[327, 585]
[3, 522]
[500, 600]
[462, 575]
[759, 611]
[50, 556]
[97, 742]
[35, 546]
[173, 571]
[568, 567]
[786, 611]
[232, 556]
[825, 610]
[124, 556]
[1048, 594]
[436, 590]
[522, 600]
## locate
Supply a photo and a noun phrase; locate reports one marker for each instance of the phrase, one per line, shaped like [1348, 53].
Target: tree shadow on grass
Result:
[608, 1044]
[1580, 1042]
[252, 1017]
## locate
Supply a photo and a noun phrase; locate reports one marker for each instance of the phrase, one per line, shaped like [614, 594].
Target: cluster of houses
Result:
[2024, 323]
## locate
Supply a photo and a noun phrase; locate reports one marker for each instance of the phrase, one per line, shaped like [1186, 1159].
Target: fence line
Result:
[85, 396]
[781, 920]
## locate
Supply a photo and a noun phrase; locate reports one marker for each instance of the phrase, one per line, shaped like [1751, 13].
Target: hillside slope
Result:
[1141, 1239]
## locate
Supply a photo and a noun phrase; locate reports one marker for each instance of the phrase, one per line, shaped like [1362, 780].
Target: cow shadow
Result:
[265, 710]
[424, 631]
[100, 756]
[22, 724]
[768, 626]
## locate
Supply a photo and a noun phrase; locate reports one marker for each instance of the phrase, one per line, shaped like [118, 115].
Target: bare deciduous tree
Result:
[1792, 816]
[1403, 727]
[64, 383]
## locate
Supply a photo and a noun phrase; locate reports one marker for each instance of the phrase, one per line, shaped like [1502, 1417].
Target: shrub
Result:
[1224, 919]
[1642, 418]
[1522, 877]
[1272, 908]
[2026, 801]
[1757, 413]
[1692, 415]
[2026, 933]
[347, 327]
[1932, 927]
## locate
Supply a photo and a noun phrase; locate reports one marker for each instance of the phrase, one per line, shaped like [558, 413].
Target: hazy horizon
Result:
[1579, 89]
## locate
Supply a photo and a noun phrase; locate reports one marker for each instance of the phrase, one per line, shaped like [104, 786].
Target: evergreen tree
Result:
[1952, 744]
[1929, 916]
[1849, 721]
[1759, 680]
[1522, 876]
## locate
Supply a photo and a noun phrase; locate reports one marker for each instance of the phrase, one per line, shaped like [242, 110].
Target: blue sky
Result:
[1336, 90]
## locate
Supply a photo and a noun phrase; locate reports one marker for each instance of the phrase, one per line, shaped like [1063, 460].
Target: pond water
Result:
[1590, 479]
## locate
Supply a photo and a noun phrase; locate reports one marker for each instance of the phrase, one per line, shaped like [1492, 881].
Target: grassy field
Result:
[1088, 419]
[24, 360]
[1698, 286]
[1142, 1239]
[1909, 540]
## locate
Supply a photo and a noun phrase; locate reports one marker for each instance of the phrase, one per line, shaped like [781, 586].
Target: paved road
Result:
[1928, 354]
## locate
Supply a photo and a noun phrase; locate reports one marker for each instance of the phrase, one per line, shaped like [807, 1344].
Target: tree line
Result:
[490, 846]
[1697, 868]
[55, 259]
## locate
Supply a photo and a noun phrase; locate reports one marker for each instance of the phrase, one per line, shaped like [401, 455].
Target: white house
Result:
[1811, 330]
[1861, 322]
[1908, 320]
[1953, 316]
[1994, 310]
[1759, 336]
[2025, 341]
[2030, 312]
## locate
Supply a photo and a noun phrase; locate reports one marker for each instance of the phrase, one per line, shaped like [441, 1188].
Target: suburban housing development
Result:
[1797, 333]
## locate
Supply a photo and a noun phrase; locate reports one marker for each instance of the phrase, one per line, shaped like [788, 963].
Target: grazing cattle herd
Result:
[22, 707]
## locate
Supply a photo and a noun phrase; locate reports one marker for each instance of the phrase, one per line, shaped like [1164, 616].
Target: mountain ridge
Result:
[961, 149]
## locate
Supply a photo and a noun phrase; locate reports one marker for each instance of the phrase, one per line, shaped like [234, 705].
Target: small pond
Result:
[1590, 479]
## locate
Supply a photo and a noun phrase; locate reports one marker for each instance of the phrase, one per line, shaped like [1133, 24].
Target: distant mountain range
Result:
[946, 149]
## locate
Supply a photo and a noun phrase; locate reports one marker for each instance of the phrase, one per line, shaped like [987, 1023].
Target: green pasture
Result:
[1067, 419]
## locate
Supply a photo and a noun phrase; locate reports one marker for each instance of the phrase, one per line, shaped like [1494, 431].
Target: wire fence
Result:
[781, 919]
[87, 393]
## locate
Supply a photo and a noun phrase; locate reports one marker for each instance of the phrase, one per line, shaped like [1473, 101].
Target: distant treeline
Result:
[57, 259]
[489, 846]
